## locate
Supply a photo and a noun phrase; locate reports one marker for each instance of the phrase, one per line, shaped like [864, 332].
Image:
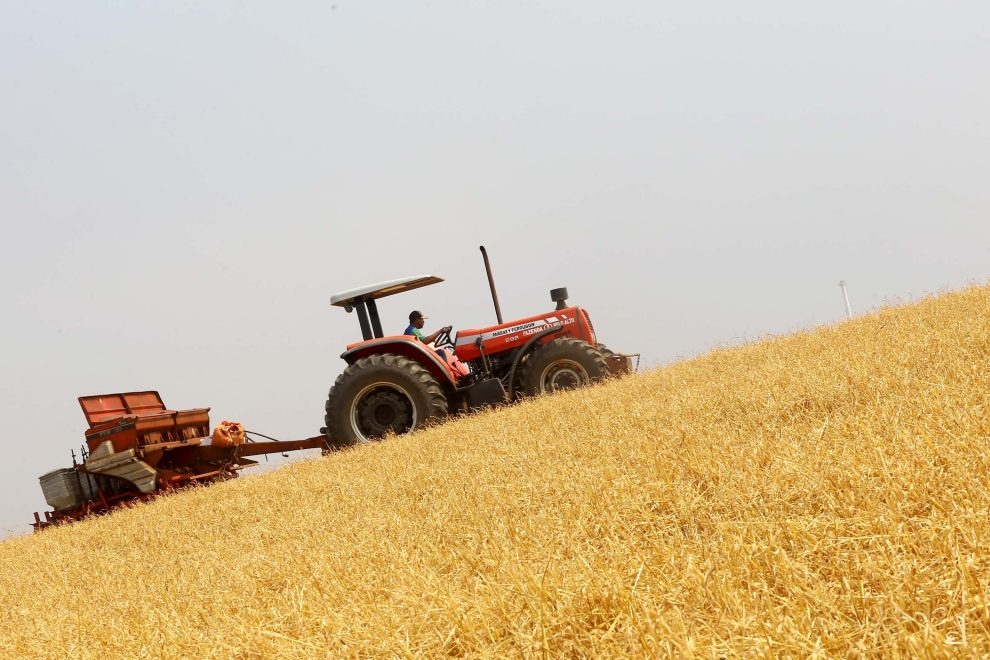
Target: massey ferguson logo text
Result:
[509, 331]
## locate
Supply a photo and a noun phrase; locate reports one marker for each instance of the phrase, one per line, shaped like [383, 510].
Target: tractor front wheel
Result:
[382, 394]
[562, 364]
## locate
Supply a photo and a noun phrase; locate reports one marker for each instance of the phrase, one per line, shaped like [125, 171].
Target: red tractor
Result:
[395, 384]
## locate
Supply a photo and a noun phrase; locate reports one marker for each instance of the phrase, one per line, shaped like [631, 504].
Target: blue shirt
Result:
[415, 332]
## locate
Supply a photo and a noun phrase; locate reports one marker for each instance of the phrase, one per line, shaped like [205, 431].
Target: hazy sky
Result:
[184, 185]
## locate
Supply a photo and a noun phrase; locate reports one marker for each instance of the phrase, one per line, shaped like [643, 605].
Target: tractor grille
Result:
[594, 337]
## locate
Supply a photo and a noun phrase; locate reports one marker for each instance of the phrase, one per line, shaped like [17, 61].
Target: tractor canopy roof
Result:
[382, 289]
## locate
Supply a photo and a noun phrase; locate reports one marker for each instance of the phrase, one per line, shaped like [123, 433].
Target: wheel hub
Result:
[564, 375]
[383, 410]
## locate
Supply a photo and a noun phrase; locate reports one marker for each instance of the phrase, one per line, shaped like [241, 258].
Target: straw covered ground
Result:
[821, 493]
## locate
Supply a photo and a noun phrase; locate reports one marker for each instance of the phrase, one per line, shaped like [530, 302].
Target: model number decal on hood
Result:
[547, 326]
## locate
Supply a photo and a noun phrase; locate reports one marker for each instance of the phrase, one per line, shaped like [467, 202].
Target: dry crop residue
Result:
[821, 493]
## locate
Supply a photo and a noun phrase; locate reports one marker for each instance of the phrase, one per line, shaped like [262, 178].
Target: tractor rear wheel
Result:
[562, 364]
[382, 394]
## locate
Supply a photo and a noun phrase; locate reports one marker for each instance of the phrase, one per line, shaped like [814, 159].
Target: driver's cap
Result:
[416, 314]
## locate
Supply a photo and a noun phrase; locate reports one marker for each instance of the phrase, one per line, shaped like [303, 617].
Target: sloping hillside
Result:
[822, 492]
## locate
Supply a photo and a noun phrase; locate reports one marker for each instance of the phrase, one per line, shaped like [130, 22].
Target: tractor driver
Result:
[415, 328]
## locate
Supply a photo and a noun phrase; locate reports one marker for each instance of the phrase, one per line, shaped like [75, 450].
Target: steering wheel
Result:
[443, 339]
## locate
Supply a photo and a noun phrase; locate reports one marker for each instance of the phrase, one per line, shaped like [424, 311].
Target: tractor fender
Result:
[405, 346]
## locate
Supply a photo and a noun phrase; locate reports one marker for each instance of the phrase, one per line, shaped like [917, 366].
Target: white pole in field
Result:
[845, 296]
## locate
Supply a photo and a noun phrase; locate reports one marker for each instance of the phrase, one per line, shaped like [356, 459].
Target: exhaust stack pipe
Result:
[559, 296]
[491, 285]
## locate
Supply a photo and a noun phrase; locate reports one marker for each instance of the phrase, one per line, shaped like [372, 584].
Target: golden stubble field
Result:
[824, 493]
